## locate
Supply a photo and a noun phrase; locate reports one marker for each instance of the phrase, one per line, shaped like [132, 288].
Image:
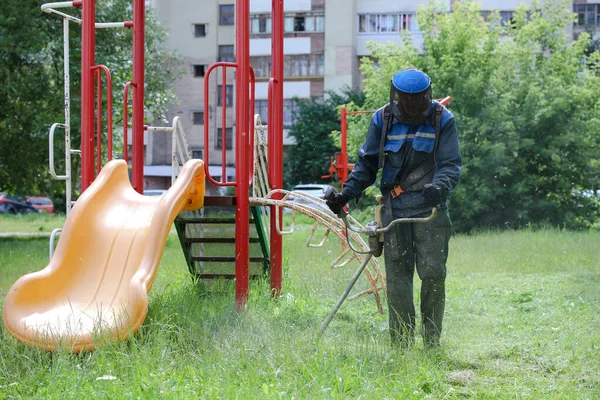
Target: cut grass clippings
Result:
[522, 321]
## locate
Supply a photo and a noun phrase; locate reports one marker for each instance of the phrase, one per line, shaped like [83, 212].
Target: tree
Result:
[316, 119]
[526, 104]
[31, 85]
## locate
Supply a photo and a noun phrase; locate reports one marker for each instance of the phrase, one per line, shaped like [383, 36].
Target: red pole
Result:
[137, 128]
[275, 124]
[344, 166]
[88, 36]
[242, 228]
[223, 124]
[98, 122]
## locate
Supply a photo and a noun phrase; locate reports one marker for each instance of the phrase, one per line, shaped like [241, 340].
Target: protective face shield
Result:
[410, 96]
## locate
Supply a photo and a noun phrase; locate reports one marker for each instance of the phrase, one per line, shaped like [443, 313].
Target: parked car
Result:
[42, 203]
[313, 189]
[15, 204]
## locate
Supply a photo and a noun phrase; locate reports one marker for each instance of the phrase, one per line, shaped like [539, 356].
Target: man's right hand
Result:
[336, 201]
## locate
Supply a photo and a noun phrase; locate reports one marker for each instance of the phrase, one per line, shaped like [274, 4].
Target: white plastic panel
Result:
[262, 47]
[290, 90]
[264, 6]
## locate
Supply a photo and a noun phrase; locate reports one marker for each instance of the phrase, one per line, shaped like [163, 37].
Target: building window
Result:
[506, 17]
[384, 23]
[198, 117]
[226, 14]
[260, 23]
[197, 154]
[228, 139]
[199, 30]
[587, 14]
[290, 109]
[199, 70]
[228, 95]
[304, 22]
[293, 65]
[226, 53]
[261, 107]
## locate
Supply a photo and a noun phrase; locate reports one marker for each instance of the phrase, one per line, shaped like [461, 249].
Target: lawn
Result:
[522, 321]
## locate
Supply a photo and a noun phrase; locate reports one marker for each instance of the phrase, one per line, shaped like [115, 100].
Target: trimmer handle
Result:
[329, 196]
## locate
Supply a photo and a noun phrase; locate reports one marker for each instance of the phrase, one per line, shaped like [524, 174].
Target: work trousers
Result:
[424, 246]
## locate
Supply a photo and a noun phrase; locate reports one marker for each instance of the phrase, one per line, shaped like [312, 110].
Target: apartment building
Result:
[323, 44]
[587, 18]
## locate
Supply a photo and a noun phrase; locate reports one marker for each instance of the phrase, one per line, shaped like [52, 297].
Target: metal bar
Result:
[88, 35]
[61, 4]
[251, 125]
[224, 125]
[275, 124]
[98, 121]
[107, 25]
[67, 90]
[51, 151]
[137, 159]
[206, 123]
[242, 228]
[340, 301]
[109, 111]
[344, 133]
[50, 8]
[125, 115]
[52, 239]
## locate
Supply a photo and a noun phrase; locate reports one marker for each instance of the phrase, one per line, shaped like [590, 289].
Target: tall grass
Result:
[522, 321]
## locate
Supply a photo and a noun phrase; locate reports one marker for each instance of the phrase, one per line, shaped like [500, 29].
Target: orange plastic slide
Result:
[95, 289]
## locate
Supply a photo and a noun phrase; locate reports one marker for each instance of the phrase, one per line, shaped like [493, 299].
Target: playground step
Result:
[206, 220]
[217, 240]
[227, 276]
[224, 259]
[208, 239]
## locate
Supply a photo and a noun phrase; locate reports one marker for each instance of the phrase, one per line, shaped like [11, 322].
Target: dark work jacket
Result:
[422, 139]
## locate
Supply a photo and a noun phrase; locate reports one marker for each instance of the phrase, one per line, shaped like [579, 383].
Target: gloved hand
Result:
[433, 194]
[336, 201]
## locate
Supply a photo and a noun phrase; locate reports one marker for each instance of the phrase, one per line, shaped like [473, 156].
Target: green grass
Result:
[522, 321]
[31, 222]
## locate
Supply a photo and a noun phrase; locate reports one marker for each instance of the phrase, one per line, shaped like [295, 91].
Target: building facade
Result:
[324, 41]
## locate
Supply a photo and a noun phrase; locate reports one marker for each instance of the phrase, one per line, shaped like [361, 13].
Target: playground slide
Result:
[95, 288]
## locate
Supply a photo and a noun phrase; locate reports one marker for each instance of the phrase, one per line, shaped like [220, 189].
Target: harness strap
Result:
[415, 180]
[387, 127]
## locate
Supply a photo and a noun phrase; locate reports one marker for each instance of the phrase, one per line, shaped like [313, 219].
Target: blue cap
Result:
[411, 81]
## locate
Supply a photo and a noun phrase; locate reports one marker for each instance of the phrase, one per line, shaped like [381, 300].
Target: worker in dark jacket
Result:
[421, 162]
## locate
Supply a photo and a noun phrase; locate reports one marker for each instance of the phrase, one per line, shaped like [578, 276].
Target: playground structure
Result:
[97, 281]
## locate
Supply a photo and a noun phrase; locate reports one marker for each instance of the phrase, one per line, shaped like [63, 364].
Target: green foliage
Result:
[316, 119]
[521, 322]
[526, 103]
[31, 86]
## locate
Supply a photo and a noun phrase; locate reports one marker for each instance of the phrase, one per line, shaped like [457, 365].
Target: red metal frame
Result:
[125, 119]
[244, 135]
[275, 133]
[88, 38]
[137, 128]
[223, 182]
[91, 84]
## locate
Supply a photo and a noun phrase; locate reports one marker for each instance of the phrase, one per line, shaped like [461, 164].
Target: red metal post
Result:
[242, 217]
[344, 170]
[88, 38]
[137, 151]
[207, 108]
[275, 124]
[223, 124]
[98, 122]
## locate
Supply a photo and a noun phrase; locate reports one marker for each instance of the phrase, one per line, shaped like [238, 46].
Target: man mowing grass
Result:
[414, 139]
